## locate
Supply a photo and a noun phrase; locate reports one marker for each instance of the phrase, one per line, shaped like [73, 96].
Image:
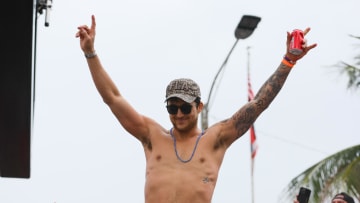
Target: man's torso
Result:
[171, 178]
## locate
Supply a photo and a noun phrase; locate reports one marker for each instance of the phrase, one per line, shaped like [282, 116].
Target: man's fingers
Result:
[93, 23]
[312, 46]
[304, 44]
[81, 33]
[82, 27]
[308, 48]
[288, 39]
[306, 30]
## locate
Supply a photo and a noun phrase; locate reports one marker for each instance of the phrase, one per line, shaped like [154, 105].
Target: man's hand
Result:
[306, 48]
[87, 36]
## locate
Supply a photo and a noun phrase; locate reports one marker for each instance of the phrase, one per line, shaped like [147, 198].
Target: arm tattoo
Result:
[271, 88]
[247, 115]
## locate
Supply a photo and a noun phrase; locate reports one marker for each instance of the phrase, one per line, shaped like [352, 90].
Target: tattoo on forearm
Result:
[272, 87]
[247, 115]
[243, 119]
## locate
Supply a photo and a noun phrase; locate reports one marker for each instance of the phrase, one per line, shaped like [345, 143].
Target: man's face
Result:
[183, 115]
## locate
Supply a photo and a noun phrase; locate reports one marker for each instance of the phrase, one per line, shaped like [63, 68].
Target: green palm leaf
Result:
[339, 172]
[352, 72]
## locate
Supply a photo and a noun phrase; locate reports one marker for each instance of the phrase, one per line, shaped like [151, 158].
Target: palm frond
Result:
[336, 173]
[351, 71]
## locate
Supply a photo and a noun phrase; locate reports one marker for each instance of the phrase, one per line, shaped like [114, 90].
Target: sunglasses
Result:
[173, 109]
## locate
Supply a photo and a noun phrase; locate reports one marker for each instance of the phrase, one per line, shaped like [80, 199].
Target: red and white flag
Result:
[253, 144]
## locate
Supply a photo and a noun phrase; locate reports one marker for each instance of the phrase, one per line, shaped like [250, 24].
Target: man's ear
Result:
[200, 107]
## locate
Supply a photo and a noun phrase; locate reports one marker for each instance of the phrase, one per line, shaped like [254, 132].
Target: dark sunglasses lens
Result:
[172, 109]
[186, 108]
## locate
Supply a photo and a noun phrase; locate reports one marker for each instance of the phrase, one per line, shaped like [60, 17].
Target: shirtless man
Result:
[182, 164]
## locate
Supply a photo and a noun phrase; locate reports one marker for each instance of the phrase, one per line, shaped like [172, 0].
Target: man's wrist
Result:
[90, 55]
[288, 62]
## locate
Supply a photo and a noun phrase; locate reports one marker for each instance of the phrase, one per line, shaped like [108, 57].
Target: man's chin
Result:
[181, 126]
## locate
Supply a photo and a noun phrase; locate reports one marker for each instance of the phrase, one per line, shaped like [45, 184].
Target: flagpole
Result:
[252, 158]
[252, 181]
[248, 61]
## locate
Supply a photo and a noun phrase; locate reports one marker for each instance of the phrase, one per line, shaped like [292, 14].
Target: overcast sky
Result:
[79, 153]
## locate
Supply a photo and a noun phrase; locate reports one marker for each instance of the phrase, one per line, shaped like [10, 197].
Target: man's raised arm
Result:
[247, 115]
[132, 121]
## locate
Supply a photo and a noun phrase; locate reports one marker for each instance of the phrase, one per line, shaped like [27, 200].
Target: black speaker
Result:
[16, 87]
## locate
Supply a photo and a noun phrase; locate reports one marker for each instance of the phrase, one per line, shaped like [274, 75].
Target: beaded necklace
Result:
[193, 152]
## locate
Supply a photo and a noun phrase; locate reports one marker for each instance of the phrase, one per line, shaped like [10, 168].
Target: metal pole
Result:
[205, 111]
[252, 160]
